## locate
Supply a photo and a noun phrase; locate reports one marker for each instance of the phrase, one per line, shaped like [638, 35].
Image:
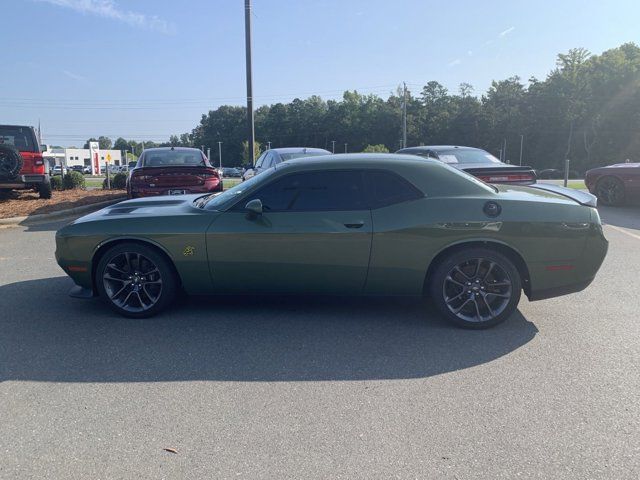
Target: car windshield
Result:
[217, 201]
[291, 156]
[466, 156]
[173, 158]
[19, 137]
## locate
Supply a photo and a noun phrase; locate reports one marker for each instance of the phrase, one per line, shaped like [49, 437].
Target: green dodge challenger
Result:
[358, 224]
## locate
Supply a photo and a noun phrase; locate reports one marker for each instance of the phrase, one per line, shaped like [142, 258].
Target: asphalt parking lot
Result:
[317, 388]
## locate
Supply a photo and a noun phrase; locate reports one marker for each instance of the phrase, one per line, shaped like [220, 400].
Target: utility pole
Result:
[247, 38]
[333, 146]
[220, 153]
[521, 144]
[345, 148]
[404, 116]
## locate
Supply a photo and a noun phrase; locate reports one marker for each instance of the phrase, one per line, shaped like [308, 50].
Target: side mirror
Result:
[254, 206]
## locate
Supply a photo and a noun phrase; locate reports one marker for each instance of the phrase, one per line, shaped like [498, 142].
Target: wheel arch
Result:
[500, 247]
[103, 247]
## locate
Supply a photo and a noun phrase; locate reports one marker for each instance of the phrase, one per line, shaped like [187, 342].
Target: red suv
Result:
[172, 171]
[21, 163]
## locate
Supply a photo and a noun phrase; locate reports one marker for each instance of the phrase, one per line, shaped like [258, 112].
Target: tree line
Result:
[587, 109]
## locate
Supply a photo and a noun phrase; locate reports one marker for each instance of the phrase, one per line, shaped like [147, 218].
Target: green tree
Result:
[257, 150]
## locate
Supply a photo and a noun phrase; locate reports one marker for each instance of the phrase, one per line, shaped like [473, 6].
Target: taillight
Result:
[139, 177]
[509, 178]
[38, 161]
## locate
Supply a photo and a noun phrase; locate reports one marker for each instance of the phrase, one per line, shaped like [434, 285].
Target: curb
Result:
[60, 213]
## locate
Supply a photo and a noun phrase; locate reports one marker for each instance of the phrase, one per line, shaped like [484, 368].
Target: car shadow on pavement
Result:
[60, 339]
[627, 216]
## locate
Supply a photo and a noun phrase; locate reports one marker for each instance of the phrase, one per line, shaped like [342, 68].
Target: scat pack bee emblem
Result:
[188, 251]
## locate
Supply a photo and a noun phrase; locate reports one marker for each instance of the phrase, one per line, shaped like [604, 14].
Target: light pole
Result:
[521, 144]
[247, 39]
[209, 153]
[268, 145]
[220, 153]
[345, 148]
[333, 146]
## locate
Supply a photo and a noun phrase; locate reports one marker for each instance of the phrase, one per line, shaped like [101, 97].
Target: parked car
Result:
[476, 162]
[77, 168]
[172, 171]
[359, 224]
[614, 184]
[231, 172]
[86, 169]
[555, 174]
[21, 164]
[271, 158]
[59, 170]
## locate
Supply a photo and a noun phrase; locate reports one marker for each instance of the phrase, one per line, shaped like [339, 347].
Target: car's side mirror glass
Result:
[254, 206]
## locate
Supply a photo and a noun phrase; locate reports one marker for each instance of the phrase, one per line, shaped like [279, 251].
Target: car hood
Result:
[146, 207]
[543, 192]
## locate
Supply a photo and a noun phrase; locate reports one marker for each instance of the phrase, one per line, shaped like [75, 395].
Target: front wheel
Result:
[610, 191]
[136, 280]
[476, 288]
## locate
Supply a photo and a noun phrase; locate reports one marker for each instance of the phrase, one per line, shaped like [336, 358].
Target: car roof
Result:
[435, 148]
[299, 150]
[365, 160]
[156, 149]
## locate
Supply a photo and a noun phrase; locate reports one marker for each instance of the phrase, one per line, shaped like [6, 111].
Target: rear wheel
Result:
[476, 288]
[610, 191]
[136, 280]
[44, 190]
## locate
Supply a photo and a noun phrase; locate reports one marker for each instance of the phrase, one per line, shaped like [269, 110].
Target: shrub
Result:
[73, 180]
[379, 148]
[56, 183]
[118, 181]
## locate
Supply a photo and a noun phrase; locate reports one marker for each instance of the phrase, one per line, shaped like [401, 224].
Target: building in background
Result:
[80, 156]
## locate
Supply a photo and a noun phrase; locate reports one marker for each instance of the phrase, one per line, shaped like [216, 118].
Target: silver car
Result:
[270, 158]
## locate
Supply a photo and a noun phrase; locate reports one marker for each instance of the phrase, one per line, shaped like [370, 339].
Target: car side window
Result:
[268, 160]
[313, 191]
[260, 160]
[388, 188]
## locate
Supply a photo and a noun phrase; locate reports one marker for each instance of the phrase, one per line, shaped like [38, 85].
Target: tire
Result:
[610, 191]
[135, 280]
[11, 162]
[45, 190]
[482, 285]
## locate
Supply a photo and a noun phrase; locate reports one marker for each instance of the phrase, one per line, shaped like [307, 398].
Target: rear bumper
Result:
[24, 181]
[159, 191]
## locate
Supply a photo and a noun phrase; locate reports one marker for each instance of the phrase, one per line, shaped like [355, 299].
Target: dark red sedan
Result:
[172, 171]
[614, 184]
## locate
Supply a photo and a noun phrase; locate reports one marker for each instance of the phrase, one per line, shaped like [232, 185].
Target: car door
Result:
[314, 236]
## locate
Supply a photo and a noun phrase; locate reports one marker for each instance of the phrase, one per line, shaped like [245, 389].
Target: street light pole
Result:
[404, 116]
[247, 37]
[333, 146]
[268, 145]
[345, 148]
[521, 144]
[220, 153]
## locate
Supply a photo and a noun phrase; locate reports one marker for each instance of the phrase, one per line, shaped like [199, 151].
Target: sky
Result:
[146, 69]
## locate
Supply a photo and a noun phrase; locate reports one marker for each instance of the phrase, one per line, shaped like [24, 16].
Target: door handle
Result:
[354, 225]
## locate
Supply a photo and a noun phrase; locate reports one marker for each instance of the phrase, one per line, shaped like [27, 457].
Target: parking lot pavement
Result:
[316, 388]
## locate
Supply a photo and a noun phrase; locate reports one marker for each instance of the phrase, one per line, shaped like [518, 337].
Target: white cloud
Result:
[455, 62]
[110, 9]
[74, 76]
[506, 32]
